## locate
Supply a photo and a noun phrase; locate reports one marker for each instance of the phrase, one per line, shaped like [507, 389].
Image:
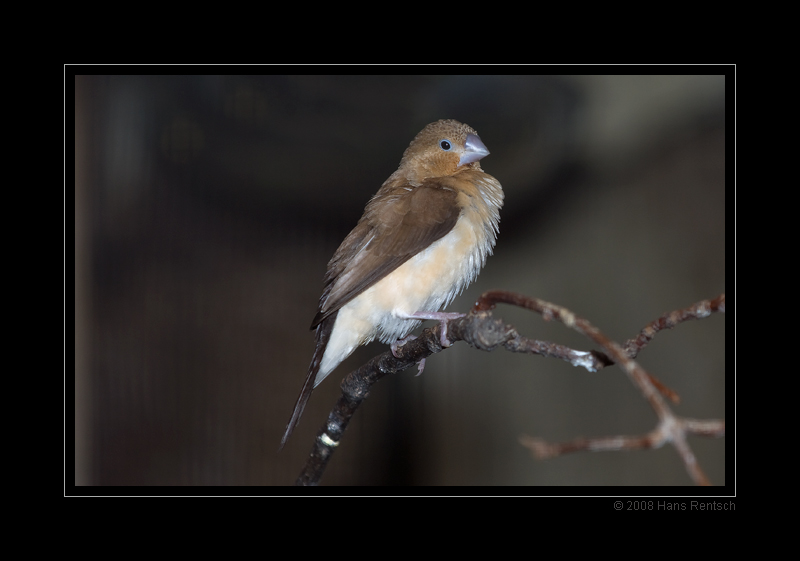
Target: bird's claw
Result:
[399, 343]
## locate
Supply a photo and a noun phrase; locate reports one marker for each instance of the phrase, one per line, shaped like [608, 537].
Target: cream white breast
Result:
[426, 282]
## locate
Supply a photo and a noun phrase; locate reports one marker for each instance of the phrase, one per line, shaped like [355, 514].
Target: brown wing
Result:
[397, 224]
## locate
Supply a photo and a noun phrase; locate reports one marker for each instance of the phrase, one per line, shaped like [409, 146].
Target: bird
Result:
[423, 237]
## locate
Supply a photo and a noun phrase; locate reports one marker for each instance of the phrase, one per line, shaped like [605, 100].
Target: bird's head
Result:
[441, 149]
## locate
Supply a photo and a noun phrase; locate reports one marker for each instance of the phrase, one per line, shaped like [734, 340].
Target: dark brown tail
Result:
[323, 334]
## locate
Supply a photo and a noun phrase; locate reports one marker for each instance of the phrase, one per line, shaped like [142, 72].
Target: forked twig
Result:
[670, 428]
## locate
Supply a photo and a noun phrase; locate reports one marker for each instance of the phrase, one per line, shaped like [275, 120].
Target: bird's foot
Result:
[442, 318]
[399, 343]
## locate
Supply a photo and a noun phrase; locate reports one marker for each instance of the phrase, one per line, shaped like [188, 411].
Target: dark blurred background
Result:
[207, 207]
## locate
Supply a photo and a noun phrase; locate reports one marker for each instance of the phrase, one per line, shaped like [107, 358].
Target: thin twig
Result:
[700, 310]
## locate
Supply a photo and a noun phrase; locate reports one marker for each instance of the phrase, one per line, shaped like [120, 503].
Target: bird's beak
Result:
[474, 150]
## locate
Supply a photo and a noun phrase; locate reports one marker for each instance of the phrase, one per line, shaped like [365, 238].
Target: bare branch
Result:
[671, 428]
[483, 331]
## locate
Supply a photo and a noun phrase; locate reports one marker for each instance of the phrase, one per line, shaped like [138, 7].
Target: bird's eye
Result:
[445, 145]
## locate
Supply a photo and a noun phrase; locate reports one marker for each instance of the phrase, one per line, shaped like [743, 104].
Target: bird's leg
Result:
[441, 317]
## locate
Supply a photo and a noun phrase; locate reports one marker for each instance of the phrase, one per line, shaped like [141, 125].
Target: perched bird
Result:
[423, 238]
